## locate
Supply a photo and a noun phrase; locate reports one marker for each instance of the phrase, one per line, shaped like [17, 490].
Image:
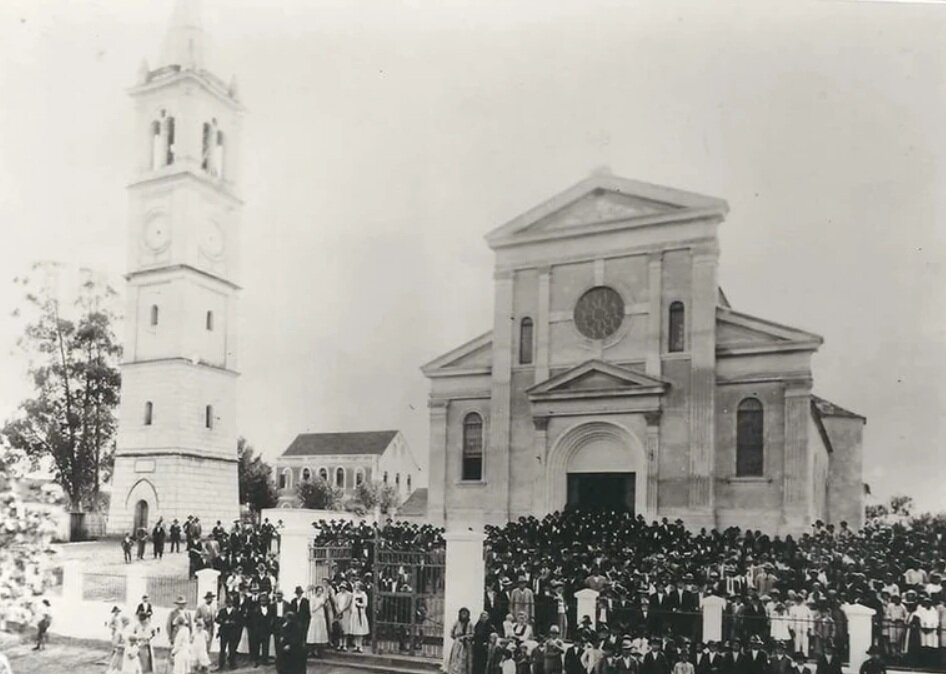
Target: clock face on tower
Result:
[211, 238]
[157, 232]
[599, 313]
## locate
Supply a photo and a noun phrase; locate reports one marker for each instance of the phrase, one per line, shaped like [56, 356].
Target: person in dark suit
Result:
[174, 536]
[711, 661]
[829, 662]
[261, 627]
[280, 609]
[780, 662]
[572, 658]
[655, 662]
[300, 606]
[230, 627]
[145, 607]
[758, 660]
[625, 662]
[658, 608]
[290, 654]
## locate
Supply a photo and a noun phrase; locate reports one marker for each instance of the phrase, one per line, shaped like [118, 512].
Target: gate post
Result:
[464, 580]
[294, 558]
[859, 633]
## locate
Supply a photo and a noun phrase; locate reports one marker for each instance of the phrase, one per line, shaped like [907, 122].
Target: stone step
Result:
[397, 664]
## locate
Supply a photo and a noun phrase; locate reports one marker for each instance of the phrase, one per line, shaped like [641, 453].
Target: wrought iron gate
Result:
[408, 603]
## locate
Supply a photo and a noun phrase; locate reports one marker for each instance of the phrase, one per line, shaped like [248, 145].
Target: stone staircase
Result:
[395, 664]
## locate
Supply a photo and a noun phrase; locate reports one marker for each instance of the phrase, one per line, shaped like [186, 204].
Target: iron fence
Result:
[106, 587]
[911, 643]
[165, 590]
[808, 635]
[407, 602]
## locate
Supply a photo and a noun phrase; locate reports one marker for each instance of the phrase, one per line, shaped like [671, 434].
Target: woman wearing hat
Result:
[317, 636]
[181, 646]
[119, 642]
[143, 632]
[343, 599]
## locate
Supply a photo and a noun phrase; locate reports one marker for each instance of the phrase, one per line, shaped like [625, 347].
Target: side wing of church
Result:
[616, 375]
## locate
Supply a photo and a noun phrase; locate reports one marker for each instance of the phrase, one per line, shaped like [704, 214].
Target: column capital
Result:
[652, 419]
[438, 405]
[705, 252]
[503, 274]
[797, 388]
[541, 423]
[655, 258]
[544, 269]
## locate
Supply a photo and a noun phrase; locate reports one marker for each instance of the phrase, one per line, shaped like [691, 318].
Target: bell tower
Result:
[176, 445]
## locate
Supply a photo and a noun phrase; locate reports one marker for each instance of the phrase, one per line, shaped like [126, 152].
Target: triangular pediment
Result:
[735, 331]
[475, 355]
[596, 376]
[604, 202]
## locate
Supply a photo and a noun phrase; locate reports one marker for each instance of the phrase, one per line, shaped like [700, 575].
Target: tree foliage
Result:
[257, 488]
[377, 494]
[72, 357]
[317, 494]
[899, 505]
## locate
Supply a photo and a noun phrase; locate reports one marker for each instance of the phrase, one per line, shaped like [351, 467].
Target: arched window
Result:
[218, 155]
[472, 447]
[749, 438]
[306, 474]
[209, 416]
[157, 145]
[211, 157]
[323, 474]
[169, 157]
[525, 341]
[408, 483]
[385, 478]
[149, 412]
[285, 478]
[359, 476]
[154, 314]
[397, 480]
[205, 147]
[340, 477]
[209, 320]
[676, 328]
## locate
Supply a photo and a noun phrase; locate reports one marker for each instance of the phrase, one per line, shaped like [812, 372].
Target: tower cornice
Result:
[179, 172]
[170, 75]
[171, 268]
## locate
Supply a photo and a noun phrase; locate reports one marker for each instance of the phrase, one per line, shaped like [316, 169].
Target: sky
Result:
[383, 139]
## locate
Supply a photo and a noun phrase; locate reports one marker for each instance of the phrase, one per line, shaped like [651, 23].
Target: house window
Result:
[408, 483]
[525, 341]
[285, 478]
[169, 157]
[472, 468]
[323, 475]
[209, 416]
[149, 412]
[154, 314]
[209, 321]
[397, 480]
[306, 474]
[385, 478]
[340, 477]
[676, 329]
[359, 476]
[749, 438]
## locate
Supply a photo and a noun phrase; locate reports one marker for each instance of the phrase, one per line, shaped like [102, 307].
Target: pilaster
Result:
[436, 502]
[498, 468]
[653, 461]
[703, 377]
[796, 487]
[540, 447]
[543, 324]
[655, 315]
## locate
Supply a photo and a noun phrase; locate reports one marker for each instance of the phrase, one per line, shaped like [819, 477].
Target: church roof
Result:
[416, 503]
[826, 408]
[359, 442]
[602, 203]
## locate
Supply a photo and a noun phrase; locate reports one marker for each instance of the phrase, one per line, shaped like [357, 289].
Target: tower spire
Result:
[185, 43]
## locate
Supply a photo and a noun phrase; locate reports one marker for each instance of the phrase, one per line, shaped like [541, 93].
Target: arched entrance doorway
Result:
[141, 514]
[597, 465]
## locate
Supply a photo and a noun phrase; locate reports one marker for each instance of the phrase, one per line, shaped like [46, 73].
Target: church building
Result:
[617, 375]
[177, 441]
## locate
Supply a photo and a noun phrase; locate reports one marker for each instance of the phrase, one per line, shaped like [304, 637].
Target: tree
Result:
[317, 494]
[372, 494]
[73, 365]
[257, 488]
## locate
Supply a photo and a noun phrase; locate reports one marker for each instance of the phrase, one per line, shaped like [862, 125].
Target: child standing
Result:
[200, 656]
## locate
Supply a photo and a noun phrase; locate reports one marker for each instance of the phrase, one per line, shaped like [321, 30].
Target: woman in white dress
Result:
[200, 647]
[144, 633]
[131, 662]
[181, 648]
[317, 636]
[343, 600]
[119, 642]
[359, 616]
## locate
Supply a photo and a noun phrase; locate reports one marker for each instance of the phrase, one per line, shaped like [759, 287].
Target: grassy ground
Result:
[78, 657]
[105, 556]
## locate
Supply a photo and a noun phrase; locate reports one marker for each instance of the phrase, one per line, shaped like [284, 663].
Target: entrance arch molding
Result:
[583, 434]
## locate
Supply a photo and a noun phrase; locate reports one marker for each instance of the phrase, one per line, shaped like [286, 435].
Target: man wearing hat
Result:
[828, 662]
[231, 629]
[180, 609]
[873, 664]
[710, 661]
[206, 613]
[655, 662]
[780, 662]
[145, 607]
[625, 663]
[758, 660]
[521, 599]
[280, 609]
[300, 606]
